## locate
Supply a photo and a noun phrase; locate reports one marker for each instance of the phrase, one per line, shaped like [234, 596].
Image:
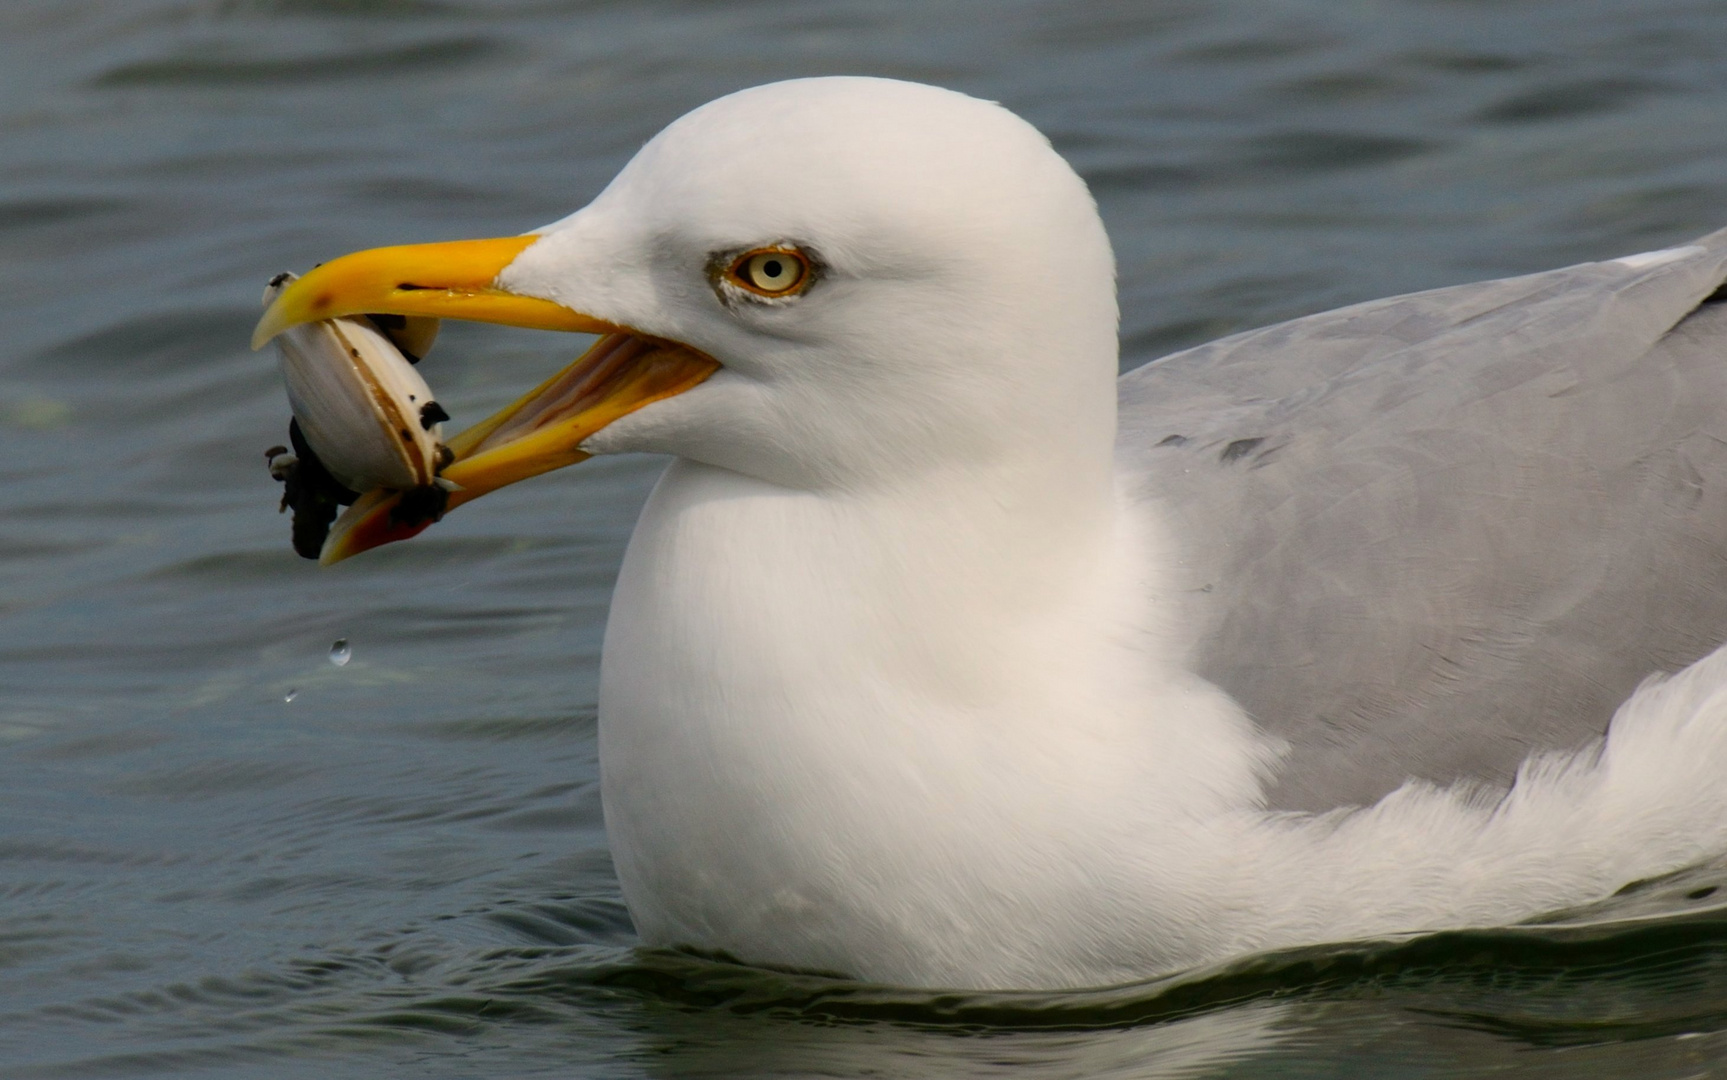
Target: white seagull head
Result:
[891, 278]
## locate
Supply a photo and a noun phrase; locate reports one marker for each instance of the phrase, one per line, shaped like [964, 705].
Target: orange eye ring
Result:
[771, 271]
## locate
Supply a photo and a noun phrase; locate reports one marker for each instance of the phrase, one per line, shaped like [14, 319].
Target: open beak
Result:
[621, 373]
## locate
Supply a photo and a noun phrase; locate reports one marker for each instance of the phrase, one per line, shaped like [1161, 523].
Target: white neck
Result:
[800, 690]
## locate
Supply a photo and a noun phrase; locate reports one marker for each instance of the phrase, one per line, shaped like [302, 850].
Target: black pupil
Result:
[771, 268]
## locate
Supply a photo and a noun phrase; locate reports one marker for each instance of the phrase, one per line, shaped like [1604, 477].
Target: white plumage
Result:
[903, 675]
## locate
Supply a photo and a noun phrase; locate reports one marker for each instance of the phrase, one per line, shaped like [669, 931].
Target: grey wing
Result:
[1425, 536]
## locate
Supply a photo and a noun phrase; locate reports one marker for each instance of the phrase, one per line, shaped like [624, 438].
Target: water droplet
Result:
[341, 652]
[290, 695]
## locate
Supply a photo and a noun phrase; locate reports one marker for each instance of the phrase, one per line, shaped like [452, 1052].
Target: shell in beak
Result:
[364, 418]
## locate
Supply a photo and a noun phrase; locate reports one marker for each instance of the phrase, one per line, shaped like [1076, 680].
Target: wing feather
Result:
[1426, 536]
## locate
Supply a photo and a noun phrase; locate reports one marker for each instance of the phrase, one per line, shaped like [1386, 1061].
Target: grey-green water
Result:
[402, 871]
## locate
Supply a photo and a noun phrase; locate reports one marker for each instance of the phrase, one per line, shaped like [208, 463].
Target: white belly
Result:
[792, 775]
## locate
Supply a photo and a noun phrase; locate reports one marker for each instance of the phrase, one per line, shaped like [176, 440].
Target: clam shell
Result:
[363, 409]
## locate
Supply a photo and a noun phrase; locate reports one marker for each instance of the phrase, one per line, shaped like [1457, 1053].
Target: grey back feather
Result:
[1425, 536]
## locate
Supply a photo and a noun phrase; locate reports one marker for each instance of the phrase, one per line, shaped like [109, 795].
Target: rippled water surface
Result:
[221, 854]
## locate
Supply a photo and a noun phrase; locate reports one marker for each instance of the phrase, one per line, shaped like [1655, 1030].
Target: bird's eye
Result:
[771, 272]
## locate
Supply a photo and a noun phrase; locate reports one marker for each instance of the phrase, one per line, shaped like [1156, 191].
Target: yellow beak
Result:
[621, 373]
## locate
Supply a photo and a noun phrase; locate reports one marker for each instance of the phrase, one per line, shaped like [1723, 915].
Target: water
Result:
[221, 854]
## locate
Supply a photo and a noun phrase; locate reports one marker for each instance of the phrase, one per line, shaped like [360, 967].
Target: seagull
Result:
[942, 656]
